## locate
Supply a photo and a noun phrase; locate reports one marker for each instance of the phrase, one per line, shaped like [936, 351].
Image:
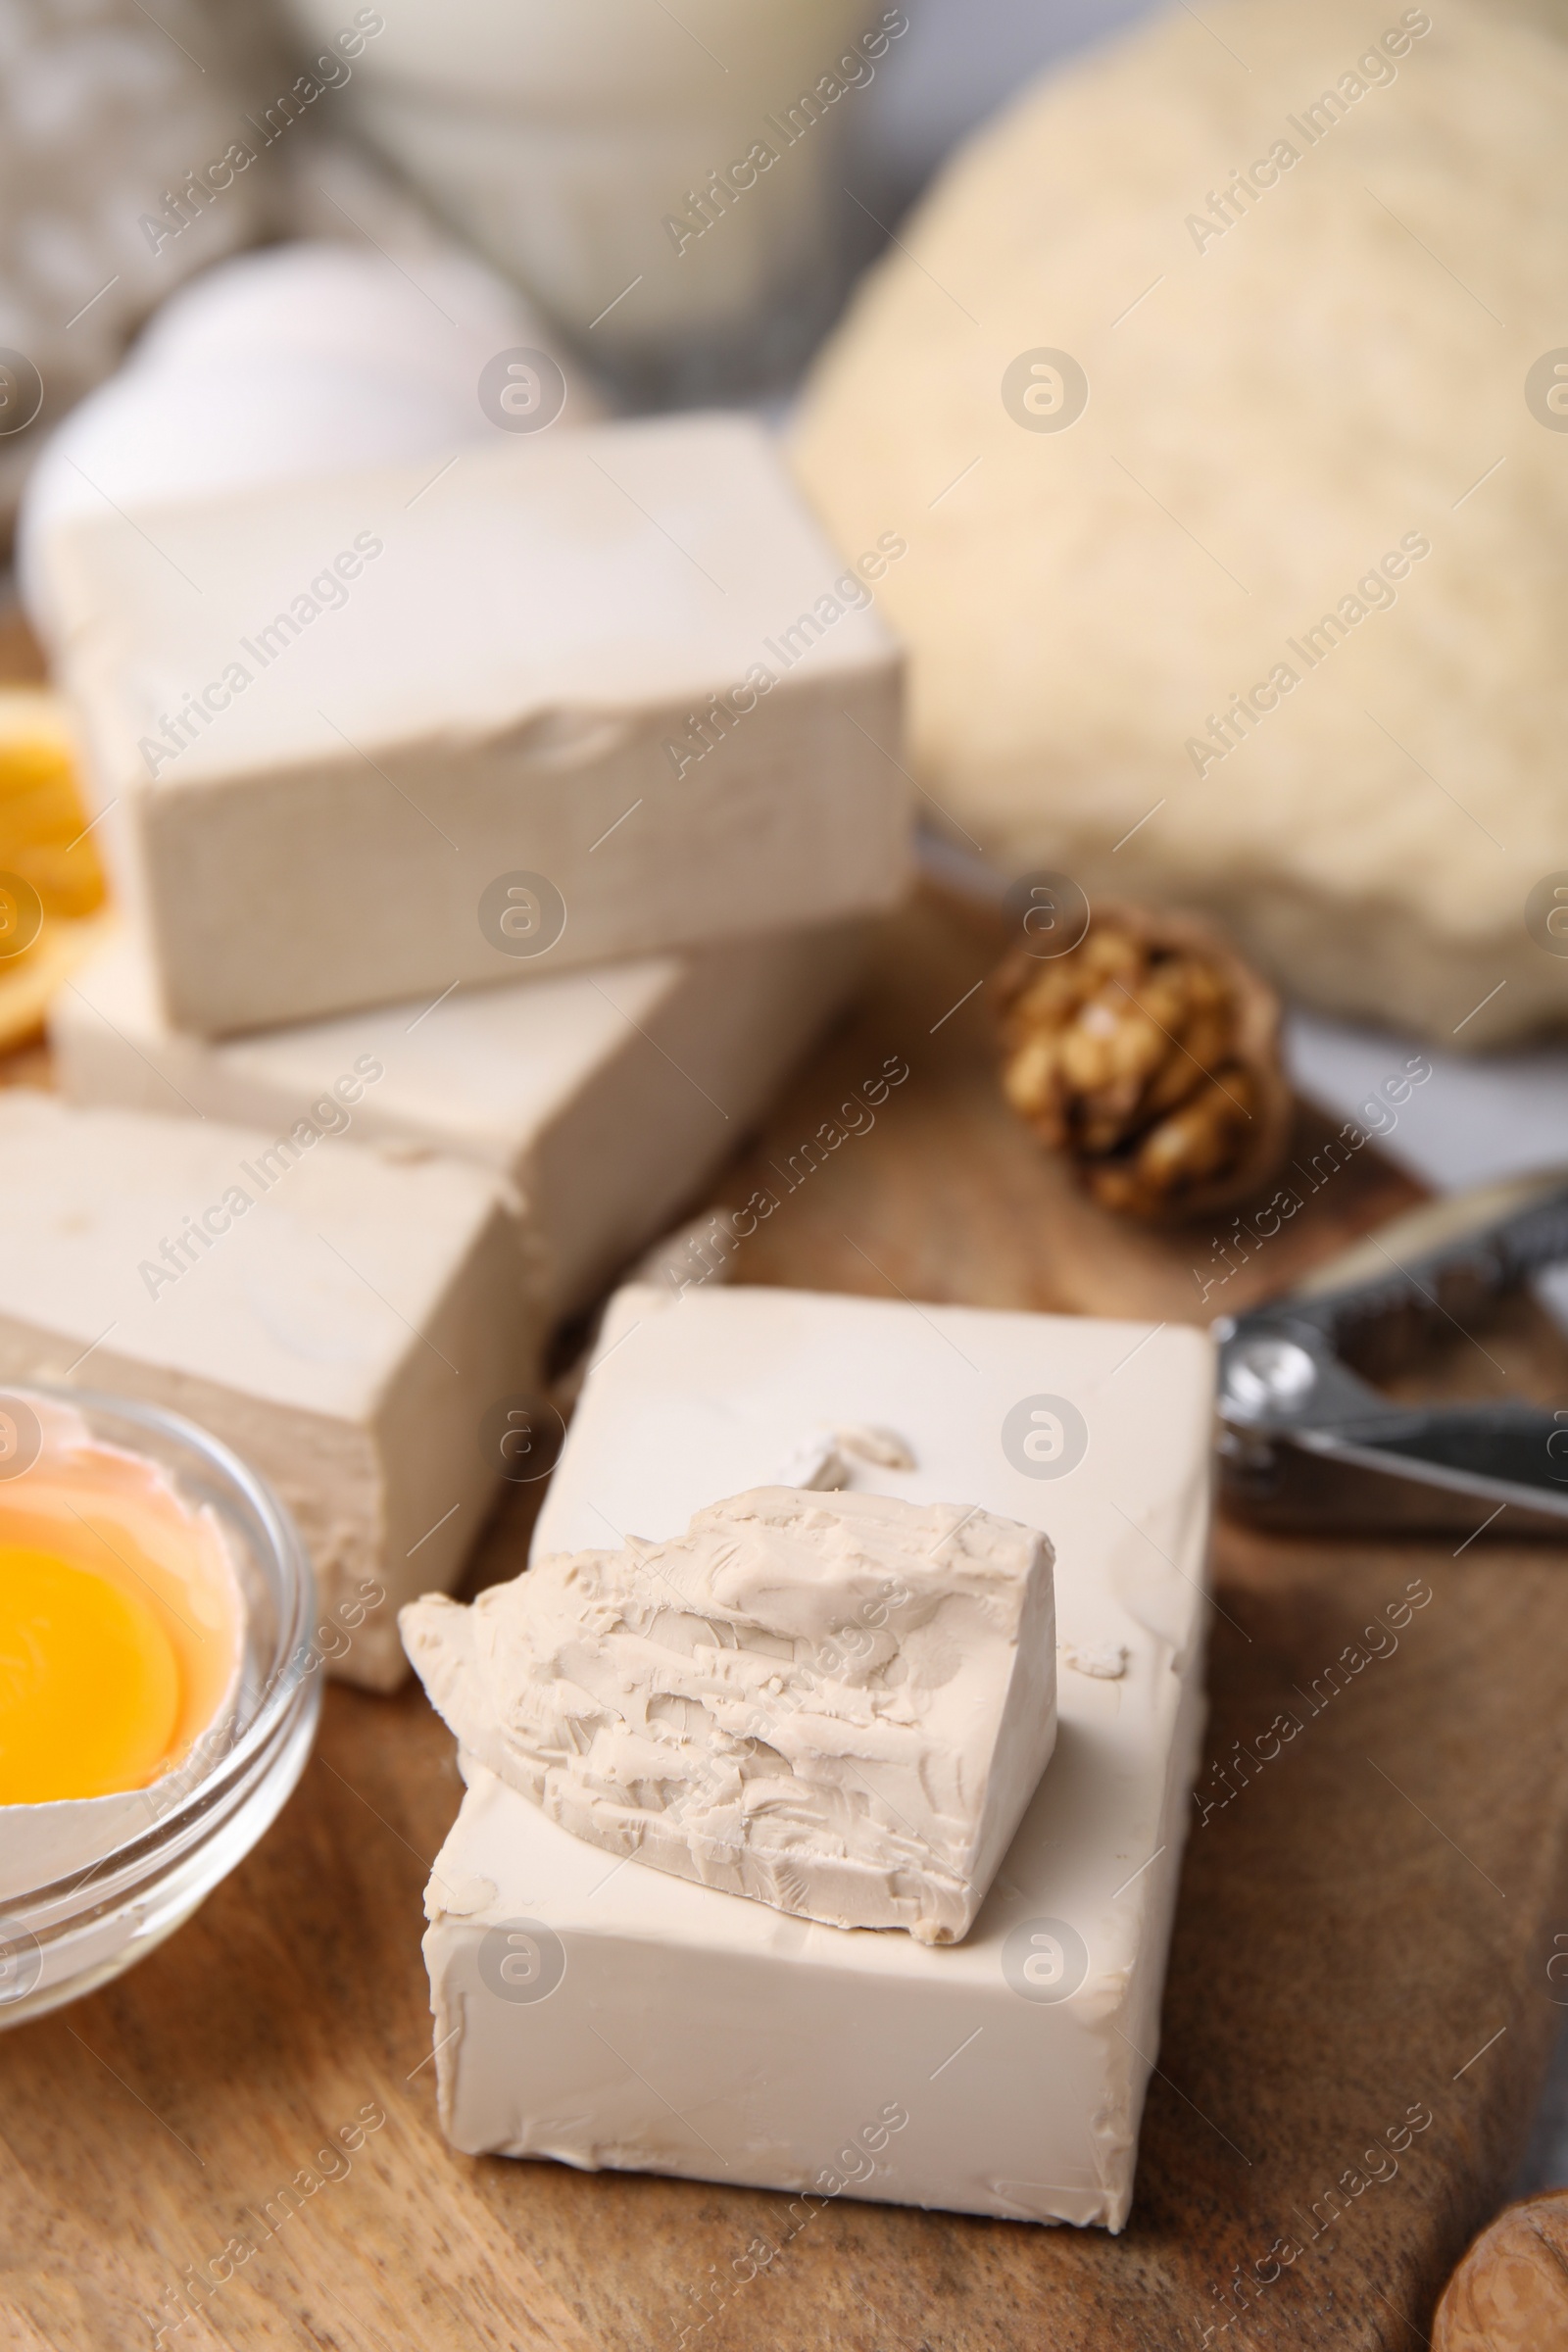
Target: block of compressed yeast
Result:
[579, 697]
[697, 1703]
[603, 1098]
[603, 2013]
[343, 1321]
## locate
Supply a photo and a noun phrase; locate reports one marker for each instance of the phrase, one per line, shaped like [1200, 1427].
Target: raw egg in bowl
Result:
[158, 1698]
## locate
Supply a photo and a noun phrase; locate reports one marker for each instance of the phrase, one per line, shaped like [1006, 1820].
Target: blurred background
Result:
[106, 106]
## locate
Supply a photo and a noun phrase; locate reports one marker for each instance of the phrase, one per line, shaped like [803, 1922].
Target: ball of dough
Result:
[1213, 389]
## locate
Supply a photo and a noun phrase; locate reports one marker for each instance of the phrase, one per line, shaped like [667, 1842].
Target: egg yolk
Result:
[89, 1683]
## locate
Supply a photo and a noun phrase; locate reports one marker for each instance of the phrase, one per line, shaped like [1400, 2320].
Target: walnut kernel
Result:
[1149, 1055]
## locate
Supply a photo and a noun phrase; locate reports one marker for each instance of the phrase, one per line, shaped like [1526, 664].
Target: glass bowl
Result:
[62, 1940]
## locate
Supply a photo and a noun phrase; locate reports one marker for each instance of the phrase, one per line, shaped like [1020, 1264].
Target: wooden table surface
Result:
[1363, 1931]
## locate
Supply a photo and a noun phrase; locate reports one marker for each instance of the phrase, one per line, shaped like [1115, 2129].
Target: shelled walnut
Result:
[1149, 1055]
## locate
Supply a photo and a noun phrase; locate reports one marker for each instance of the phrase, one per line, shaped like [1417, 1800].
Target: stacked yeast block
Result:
[346, 1322]
[602, 1099]
[524, 811]
[579, 697]
[1002, 2073]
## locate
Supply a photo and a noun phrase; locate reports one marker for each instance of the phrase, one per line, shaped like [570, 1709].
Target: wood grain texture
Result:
[1365, 1926]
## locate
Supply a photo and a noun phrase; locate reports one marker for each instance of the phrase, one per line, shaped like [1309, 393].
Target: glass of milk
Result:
[666, 180]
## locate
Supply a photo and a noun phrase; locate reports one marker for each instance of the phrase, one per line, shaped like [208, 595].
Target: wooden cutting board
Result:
[1364, 1928]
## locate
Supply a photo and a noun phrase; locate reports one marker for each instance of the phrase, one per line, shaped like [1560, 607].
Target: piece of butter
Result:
[344, 1322]
[605, 2014]
[547, 1082]
[566, 699]
[837, 1704]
